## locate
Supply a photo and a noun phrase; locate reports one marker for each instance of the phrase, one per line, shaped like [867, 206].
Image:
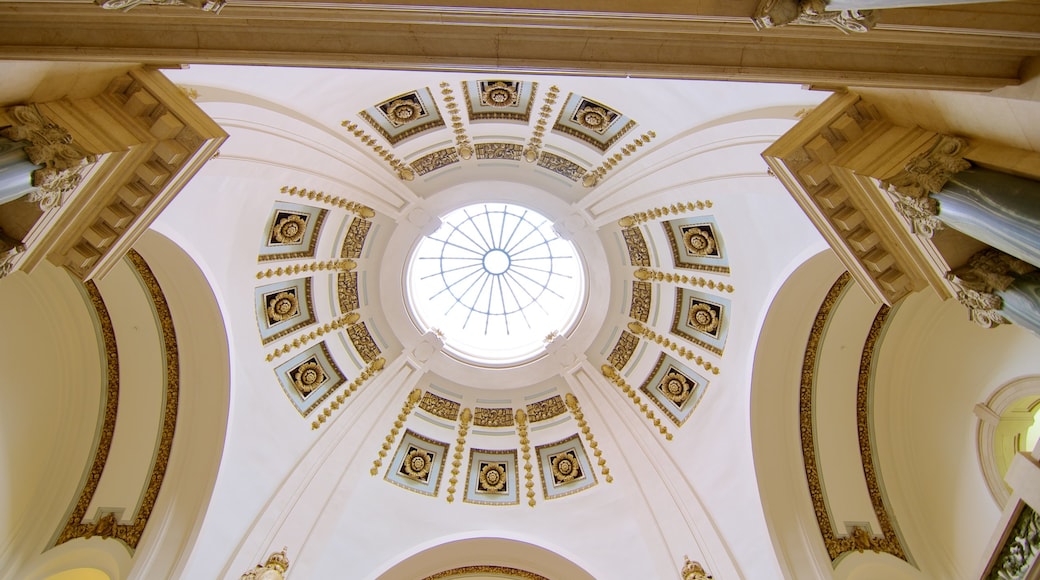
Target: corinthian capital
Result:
[928, 172]
[213, 6]
[773, 13]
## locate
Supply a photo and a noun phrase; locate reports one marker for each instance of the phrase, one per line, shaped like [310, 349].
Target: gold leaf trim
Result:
[485, 570]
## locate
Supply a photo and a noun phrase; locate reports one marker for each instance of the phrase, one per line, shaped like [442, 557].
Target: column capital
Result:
[927, 172]
[773, 13]
[978, 282]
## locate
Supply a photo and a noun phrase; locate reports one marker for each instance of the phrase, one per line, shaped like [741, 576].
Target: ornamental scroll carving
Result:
[774, 13]
[922, 212]
[928, 172]
[1020, 550]
[986, 273]
[274, 569]
[50, 145]
[694, 571]
[214, 6]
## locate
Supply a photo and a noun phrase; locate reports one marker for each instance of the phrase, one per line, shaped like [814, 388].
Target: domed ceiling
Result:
[489, 305]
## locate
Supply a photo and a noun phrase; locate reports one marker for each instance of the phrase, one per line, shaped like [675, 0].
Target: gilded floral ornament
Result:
[417, 464]
[676, 387]
[694, 571]
[565, 467]
[290, 229]
[403, 111]
[283, 306]
[703, 318]
[698, 242]
[592, 117]
[500, 94]
[274, 569]
[308, 376]
[492, 478]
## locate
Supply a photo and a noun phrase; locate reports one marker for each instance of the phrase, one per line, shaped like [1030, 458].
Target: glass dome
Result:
[497, 282]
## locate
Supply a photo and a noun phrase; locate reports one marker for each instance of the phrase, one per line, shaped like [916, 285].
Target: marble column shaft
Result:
[15, 170]
[998, 209]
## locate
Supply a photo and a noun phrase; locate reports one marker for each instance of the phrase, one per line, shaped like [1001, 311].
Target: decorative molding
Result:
[330, 200]
[592, 122]
[436, 160]
[525, 449]
[322, 330]
[439, 406]
[214, 6]
[594, 177]
[410, 402]
[418, 464]
[859, 539]
[638, 254]
[396, 165]
[492, 477]
[486, 570]
[642, 217]
[292, 225]
[493, 417]
[64, 162]
[275, 568]
[462, 143]
[696, 244]
[614, 377]
[646, 332]
[354, 241]
[579, 416]
[460, 443]
[701, 319]
[508, 151]
[561, 165]
[406, 115]
[370, 371]
[107, 525]
[361, 338]
[642, 294]
[929, 171]
[331, 265]
[889, 542]
[546, 409]
[694, 571]
[500, 100]
[565, 467]
[623, 350]
[922, 212]
[658, 276]
[774, 13]
[674, 388]
[347, 292]
[534, 144]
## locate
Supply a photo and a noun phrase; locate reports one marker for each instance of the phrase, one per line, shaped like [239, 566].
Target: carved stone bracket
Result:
[928, 172]
[213, 6]
[922, 212]
[64, 162]
[774, 13]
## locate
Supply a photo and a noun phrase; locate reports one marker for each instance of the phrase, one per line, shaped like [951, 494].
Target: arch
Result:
[996, 444]
[454, 556]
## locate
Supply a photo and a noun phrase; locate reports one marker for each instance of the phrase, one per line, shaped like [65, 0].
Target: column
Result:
[15, 170]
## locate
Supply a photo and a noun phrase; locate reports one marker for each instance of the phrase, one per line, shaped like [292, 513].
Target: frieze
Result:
[1020, 549]
[439, 406]
[510, 151]
[347, 291]
[858, 539]
[436, 160]
[107, 525]
[638, 254]
[561, 165]
[362, 341]
[214, 6]
[490, 417]
[354, 242]
[623, 350]
[546, 409]
[641, 295]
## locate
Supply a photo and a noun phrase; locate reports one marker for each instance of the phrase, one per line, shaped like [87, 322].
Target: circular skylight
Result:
[496, 282]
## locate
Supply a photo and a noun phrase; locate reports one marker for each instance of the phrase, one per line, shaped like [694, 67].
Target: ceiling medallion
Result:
[402, 111]
[500, 94]
[495, 280]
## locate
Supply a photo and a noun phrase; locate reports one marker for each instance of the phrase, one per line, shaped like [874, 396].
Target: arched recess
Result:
[1003, 419]
[457, 557]
[203, 394]
[202, 419]
[775, 435]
